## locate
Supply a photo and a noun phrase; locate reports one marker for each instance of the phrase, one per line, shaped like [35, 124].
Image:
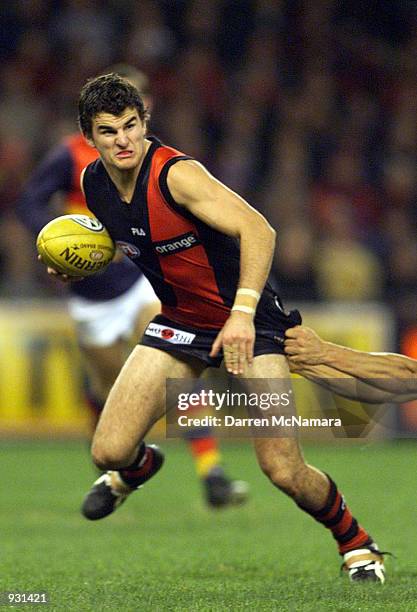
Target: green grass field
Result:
[164, 550]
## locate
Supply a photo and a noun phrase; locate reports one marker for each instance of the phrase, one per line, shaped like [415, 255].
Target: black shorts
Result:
[270, 324]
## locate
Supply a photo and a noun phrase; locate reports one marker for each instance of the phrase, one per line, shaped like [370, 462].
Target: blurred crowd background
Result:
[306, 108]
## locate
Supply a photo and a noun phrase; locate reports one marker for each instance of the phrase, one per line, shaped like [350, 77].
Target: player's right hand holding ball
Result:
[64, 278]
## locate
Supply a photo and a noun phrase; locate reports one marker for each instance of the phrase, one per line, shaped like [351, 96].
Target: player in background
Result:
[111, 309]
[357, 375]
[213, 288]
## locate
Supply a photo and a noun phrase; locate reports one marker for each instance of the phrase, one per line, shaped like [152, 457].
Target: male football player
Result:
[207, 254]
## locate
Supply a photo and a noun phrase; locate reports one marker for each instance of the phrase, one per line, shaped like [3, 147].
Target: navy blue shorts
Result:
[270, 324]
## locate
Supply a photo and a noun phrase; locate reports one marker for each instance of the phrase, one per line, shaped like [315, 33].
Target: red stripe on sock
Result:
[360, 538]
[343, 525]
[199, 446]
[334, 508]
[144, 469]
[358, 541]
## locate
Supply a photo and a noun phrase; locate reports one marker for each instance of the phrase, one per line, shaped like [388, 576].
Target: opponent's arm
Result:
[345, 385]
[53, 175]
[389, 372]
[194, 188]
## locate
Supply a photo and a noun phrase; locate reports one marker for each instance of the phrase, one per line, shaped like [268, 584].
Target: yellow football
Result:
[77, 245]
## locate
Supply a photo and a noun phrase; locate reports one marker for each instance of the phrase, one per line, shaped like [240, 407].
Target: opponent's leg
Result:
[103, 364]
[312, 490]
[220, 490]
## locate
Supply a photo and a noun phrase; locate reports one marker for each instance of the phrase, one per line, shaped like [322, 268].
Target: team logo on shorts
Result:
[167, 334]
[128, 249]
[170, 334]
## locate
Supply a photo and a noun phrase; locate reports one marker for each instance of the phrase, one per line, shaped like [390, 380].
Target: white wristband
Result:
[250, 292]
[247, 309]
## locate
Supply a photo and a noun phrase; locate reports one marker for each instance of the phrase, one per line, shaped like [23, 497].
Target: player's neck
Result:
[125, 180]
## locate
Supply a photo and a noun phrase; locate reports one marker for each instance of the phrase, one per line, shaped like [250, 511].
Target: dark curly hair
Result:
[109, 93]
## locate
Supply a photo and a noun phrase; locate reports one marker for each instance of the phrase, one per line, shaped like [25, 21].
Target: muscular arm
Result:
[392, 374]
[206, 198]
[348, 386]
[194, 188]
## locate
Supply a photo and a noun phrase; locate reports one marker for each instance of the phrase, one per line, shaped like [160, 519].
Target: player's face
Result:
[120, 140]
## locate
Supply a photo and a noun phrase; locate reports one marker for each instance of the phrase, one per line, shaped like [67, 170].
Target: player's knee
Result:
[285, 476]
[106, 458]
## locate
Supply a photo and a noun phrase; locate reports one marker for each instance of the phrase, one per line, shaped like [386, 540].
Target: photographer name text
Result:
[271, 421]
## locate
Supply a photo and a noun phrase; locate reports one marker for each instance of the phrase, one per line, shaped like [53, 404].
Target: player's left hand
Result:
[237, 338]
[303, 346]
[64, 278]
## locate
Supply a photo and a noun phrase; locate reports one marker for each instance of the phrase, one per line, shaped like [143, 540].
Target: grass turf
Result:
[164, 550]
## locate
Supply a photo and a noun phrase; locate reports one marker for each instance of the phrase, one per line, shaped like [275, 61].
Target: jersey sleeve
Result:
[53, 175]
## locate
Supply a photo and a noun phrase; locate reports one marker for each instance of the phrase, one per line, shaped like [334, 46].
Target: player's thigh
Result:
[270, 374]
[138, 397]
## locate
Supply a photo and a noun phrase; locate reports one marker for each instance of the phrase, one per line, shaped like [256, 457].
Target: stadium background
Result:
[308, 109]
[305, 108]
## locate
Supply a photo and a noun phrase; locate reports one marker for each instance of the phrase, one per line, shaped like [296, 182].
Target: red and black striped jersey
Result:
[193, 268]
